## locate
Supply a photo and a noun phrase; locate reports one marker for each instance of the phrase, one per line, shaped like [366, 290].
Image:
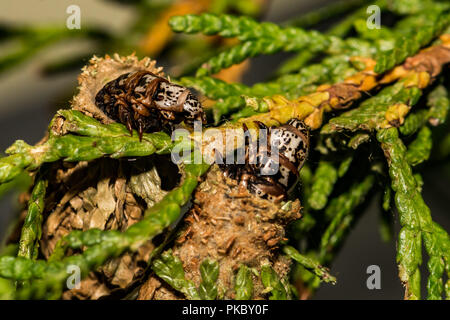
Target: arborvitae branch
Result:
[339, 30]
[324, 179]
[258, 38]
[419, 150]
[232, 97]
[87, 140]
[373, 113]
[313, 106]
[350, 72]
[341, 210]
[391, 105]
[209, 271]
[273, 284]
[31, 230]
[102, 245]
[439, 103]
[244, 28]
[415, 218]
[388, 106]
[332, 69]
[310, 264]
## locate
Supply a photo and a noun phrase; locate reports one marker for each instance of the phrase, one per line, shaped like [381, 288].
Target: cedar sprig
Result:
[257, 38]
[341, 29]
[341, 211]
[412, 6]
[419, 150]
[414, 214]
[170, 268]
[309, 264]
[373, 113]
[233, 97]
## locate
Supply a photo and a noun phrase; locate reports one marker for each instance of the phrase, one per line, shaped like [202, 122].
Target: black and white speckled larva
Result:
[146, 102]
[292, 143]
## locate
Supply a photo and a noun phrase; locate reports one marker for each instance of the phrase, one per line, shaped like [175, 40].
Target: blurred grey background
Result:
[28, 101]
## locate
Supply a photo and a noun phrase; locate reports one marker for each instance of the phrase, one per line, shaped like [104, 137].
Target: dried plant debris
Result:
[104, 194]
[231, 227]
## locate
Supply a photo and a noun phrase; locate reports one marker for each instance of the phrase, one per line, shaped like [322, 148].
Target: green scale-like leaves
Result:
[371, 113]
[415, 219]
[256, 38]
[31, 229]
[324, 179]
[82, 138]
[235, 96]
[87, 139]
[309, 264]
[273, 284]
[420, 32]
[419, 150]
[48, 277]
[243, 284]
[170, 268]
[341, 212]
